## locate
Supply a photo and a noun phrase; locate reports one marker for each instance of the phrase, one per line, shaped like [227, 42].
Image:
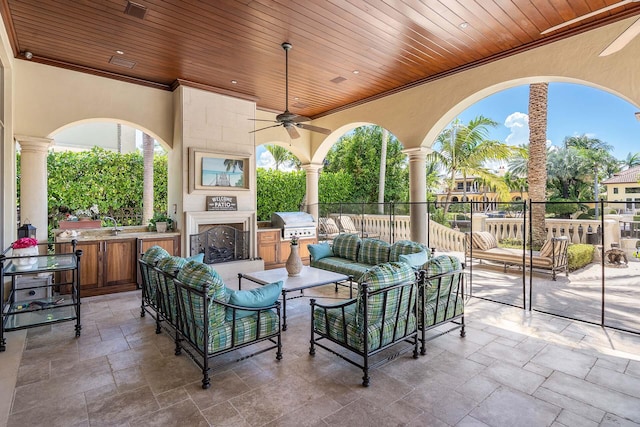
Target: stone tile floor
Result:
[514, 368]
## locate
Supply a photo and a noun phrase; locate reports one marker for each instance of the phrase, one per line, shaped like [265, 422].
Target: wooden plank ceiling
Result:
[390, 44]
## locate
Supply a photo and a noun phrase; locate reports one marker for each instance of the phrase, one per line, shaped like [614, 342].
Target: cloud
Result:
[265, 160]
[518, 124]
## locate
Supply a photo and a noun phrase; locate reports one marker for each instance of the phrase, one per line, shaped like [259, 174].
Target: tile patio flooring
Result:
[514, 368]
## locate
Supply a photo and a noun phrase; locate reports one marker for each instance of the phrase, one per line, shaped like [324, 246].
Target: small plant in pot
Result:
[160, 222]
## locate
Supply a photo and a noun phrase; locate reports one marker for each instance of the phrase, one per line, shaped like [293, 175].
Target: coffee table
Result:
[310, 277]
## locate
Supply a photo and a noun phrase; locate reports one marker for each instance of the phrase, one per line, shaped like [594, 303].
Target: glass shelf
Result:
[43, 263]
[23, 314]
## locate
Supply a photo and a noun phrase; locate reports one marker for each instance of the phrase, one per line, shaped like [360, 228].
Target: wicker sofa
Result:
[354, 256]
[205, 318]
[552, 255]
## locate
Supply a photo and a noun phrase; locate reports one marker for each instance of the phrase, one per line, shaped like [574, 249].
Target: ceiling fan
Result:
[620, 42]
[287, 119]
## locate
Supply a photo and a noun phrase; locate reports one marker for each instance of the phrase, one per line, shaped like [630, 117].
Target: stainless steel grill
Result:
[294, 224]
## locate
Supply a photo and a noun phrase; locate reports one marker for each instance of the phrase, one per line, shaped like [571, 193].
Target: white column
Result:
[312, 171]
[418, 193]
[33, 183]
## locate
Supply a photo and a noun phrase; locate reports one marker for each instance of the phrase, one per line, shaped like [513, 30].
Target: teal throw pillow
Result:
[264, 296]
[319, 251]
[415, 260]
[199, 257]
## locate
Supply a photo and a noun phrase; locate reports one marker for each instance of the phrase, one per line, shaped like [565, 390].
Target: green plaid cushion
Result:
[403, 247]
[346, 246]
[151, 257]
[343, 266]
[198, 275]
[373, 251]
[220, 335]
[446, 309]
[439, 265]
[170, 265]
[382, 276]
[245, 331]
[336, 325]
[154, 254]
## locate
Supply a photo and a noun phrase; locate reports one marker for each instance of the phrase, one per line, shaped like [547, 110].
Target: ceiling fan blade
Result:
[298, 119]
[588, 15]
[263, 120]
[313, 128]
[293, 133]
[623, 39]
[268, 127]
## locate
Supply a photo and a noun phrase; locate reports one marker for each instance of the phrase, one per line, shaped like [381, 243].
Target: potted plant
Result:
[160, 222]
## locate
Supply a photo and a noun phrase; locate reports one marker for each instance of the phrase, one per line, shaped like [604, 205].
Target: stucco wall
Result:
[48, 99]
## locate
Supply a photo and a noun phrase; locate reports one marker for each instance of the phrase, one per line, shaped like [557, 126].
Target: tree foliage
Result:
[358, 154]
[279, 191]
[110, 180]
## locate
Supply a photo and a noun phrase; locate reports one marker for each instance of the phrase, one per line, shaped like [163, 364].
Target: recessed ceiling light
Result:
[356, 72]
[296, 98]
[234, 82]
[120, 52]
[464, 25]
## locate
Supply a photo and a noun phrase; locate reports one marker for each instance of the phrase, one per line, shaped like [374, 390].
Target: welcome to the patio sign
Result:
[222, 203]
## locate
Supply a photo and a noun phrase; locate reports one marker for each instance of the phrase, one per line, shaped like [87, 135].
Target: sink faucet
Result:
[115, 224]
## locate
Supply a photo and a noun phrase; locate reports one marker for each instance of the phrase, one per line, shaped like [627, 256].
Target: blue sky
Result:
[573, 110]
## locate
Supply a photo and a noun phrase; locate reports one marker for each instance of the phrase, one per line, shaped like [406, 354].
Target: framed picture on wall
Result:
[217, 171]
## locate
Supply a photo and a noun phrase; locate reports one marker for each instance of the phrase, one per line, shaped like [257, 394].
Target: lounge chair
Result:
[347, 226]
[327, 228]
[552, 255]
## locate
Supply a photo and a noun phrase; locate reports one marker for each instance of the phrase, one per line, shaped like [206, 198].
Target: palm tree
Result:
[537, 165]
[596, 153]
[147, 178]
[281, 155]
[464, 149]
[631, 161]
[383, 169]
[233, 164]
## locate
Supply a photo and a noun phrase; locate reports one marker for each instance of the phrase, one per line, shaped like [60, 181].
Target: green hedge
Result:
[279, 191]
[580, 255]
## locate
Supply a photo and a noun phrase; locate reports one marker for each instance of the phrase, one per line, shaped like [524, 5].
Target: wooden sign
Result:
[222, 203]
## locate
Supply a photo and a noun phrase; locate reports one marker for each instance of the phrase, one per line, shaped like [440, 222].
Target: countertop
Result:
[106, 233]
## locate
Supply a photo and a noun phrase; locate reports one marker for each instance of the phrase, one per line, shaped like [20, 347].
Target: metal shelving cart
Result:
[59, 303]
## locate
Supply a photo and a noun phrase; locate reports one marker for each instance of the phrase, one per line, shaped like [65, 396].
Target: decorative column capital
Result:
[312, 167]
[33, 144]
[418, 153]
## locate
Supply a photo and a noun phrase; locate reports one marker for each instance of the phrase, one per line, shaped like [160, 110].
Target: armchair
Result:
[382, 315]
[441, 297]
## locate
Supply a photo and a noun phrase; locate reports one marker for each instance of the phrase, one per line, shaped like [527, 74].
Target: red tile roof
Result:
[629, 176]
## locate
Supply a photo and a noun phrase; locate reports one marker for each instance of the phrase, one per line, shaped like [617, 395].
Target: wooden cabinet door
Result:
[268, 247]
[120, 257]
[169, 244]
[90, 266]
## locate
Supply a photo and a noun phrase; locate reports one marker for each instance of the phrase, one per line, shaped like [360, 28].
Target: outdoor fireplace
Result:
[221, 243]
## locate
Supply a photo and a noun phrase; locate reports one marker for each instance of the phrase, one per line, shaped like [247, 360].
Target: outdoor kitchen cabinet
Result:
[106, 265]
[274, 251]
[170, 244]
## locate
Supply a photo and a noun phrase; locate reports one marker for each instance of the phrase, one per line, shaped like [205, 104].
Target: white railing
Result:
[445, 238]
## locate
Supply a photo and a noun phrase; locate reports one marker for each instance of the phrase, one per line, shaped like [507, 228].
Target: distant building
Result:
[625, 187]
[485, 197]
